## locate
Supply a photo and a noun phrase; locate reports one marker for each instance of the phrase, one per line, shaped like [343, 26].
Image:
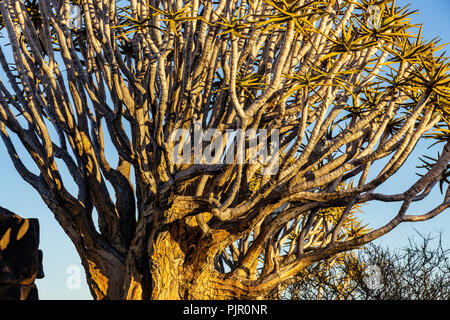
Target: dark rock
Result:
[20, 258]
[40, 271]
[18, 292]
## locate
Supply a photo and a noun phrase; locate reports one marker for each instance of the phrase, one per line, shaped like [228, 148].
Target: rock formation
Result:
[20, 257]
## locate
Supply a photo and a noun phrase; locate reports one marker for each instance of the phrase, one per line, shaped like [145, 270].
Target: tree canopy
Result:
[344, 85]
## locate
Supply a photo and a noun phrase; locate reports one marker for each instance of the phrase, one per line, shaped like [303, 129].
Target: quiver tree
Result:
[343, 86]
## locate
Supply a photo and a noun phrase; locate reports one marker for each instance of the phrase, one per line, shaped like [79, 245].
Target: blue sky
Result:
[434, 15]
[60, 254]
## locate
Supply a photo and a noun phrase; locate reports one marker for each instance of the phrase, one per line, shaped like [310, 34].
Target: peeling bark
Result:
[141, 70]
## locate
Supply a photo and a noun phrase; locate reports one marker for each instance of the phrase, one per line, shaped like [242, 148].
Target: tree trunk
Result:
[173, 262]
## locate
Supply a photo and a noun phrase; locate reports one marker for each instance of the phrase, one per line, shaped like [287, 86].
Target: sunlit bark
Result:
[134, 72]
